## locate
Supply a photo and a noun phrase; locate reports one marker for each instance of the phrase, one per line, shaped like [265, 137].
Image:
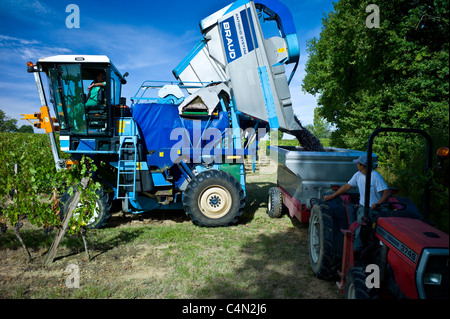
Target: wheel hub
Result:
[215, 202]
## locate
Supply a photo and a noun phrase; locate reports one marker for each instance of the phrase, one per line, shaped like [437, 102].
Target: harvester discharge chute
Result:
[250, 60]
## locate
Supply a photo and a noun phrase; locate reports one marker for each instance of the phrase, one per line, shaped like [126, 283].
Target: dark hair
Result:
[98, 73]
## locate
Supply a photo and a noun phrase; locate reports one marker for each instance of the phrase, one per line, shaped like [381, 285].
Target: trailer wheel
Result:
[214, 198]
[275, 203]
[321, 242]
[102, 211]
[355, 285]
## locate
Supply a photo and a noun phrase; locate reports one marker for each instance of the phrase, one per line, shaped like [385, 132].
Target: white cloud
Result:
[18, 7]
[7, 40]
[14, 49]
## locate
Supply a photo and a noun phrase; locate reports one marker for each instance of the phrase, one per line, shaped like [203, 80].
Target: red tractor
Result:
[404, 256]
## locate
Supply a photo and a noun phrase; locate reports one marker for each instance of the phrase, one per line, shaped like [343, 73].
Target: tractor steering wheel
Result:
[390, 204]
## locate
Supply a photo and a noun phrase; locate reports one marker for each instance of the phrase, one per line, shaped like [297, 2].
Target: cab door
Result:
[69, 93]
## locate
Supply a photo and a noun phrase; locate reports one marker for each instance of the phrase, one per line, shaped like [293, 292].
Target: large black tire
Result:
[355, 285]
[214, 198]
[102, 213]
[321, 252]
[275, 203]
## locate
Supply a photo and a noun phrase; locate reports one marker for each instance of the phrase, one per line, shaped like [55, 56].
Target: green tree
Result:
[7, 124]
[396, 75]
[25, 129]
[320, 127]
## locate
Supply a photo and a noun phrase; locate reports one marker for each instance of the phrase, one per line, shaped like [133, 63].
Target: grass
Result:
[163, 255]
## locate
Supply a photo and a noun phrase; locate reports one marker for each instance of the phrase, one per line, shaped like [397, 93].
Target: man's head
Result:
[101, 75]
[361, 160]
[361, 163]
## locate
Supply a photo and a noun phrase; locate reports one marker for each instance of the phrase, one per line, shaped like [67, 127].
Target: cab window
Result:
[72, 87]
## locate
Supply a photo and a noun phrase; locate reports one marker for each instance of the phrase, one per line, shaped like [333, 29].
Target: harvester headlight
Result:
[432, 279]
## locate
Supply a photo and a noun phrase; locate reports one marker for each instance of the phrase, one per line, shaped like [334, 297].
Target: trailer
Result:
[303, 177]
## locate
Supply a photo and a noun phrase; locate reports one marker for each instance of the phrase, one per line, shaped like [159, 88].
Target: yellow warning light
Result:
[443, 152]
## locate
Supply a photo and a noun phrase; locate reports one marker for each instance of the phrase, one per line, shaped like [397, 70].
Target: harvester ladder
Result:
[127, 167]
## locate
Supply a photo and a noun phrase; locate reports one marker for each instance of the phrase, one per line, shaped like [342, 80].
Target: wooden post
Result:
[73, 205]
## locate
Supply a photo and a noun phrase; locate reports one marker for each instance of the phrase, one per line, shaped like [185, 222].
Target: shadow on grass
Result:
[256, 198]
[98, 242]
[275, 265]
[157, 216]
[33, 238]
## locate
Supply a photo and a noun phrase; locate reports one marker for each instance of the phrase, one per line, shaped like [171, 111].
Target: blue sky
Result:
[145, 38]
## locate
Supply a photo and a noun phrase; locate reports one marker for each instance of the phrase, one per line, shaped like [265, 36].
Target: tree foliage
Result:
[396, 75]
[25, 129]
[7, 124]
[320, 127]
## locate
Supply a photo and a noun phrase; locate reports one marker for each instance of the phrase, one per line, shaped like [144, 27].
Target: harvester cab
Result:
[85, 92]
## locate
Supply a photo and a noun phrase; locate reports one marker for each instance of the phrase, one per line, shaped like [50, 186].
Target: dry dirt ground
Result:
[163, 255]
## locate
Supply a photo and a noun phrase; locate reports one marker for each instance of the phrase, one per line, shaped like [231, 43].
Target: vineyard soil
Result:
[163, 255]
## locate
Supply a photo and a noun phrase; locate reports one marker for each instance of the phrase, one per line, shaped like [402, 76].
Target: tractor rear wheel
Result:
[321, 254]
[102, 212]
[214, 198]
[275, 203]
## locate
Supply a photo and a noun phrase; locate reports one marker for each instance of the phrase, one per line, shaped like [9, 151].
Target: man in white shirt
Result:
[379, 192]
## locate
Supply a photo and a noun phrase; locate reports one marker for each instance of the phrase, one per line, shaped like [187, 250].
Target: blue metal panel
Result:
[268, 97]
[91, 152]
[230, 39]
[64, 142]
[126, 126]
[161, 158]
[159, 180]
[293, 48]
[238, 35]
[249, 30]
[86, 145]
[237, 141]
[283, 17]
[144, 204]
[187, 60]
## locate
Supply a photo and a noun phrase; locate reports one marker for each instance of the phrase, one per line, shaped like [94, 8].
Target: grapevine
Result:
[30, 186]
